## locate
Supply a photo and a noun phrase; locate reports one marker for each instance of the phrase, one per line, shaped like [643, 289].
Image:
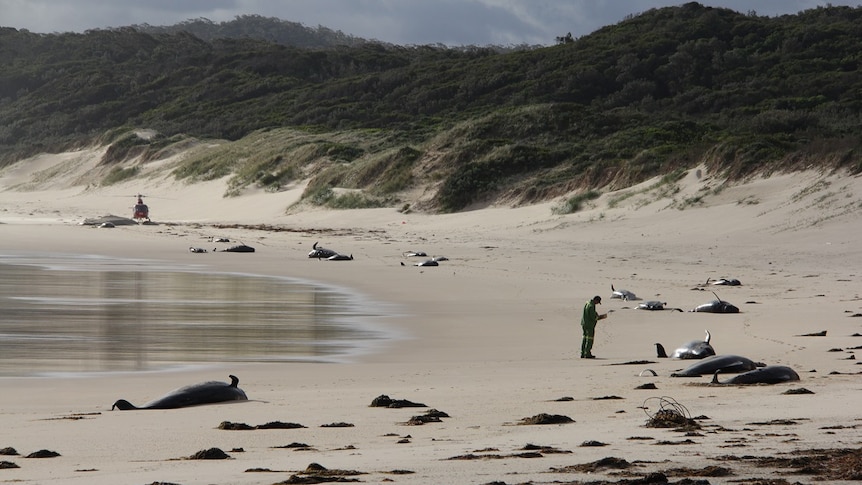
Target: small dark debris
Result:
[295, 445]
[420, 420]
[279, 425]
[775, 422]
[210, 454]
[604, 398]
[545, 418]
[337, 425]
[384, 401]
[835, 350]
[234, 426]
[603, 464]
[594, 443]
[43, 454]
[670, 443]
[259, 470]
[635, 362]
[640, 438]
[564, 399]
[8, 464]
[403, 441]
[707, 471]
[237, 450]
[319, 470]
[8, 451]
[648, 385]
[546, 450]
[400, 472]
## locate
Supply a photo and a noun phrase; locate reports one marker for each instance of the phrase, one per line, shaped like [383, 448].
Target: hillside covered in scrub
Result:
[443, 129]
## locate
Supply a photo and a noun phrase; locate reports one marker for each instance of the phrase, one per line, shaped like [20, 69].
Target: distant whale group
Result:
[715, 306]
[710, 363]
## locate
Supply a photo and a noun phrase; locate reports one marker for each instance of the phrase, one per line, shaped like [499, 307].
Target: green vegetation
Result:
[656, 94]
[575, 203]
[118, 174]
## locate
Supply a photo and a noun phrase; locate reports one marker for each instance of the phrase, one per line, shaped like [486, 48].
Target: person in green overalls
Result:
[588, 323]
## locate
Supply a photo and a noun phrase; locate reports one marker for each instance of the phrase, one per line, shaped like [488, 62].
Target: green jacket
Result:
[591, 316]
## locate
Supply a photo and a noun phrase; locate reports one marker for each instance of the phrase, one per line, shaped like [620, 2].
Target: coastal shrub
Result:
[119, 174]
[575, 203]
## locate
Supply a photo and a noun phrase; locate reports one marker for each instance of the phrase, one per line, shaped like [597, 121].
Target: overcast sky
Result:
[405, 22]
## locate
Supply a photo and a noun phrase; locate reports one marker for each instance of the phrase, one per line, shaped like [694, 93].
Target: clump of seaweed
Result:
[670, 414]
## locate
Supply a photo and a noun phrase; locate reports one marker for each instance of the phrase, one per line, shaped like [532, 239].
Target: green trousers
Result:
[587, 342]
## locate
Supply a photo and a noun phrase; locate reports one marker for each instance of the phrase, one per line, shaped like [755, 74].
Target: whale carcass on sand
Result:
[655, 305]
[320, 252]
[716, 306]
[624, 295]
[696, 349]
[209, 392]
[771, 374]
[725, 364]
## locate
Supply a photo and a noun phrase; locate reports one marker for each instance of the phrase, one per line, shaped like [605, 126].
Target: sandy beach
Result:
[490, 337]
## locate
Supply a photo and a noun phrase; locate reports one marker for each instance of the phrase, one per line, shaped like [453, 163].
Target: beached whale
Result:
[340, 257]
[696, 349]
[239, 248]
[716, 306]
[771, 374]
[724, 364]
[320, 252]
[725, 282]
[209, 392]
[624, 295]
[655, 305]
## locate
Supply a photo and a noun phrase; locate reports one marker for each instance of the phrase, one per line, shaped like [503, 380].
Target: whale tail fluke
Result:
[660, 352]
[234, 380]
[123, 405]
[708, 336]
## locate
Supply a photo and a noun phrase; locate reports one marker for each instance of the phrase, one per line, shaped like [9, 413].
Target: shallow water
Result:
[62, 313]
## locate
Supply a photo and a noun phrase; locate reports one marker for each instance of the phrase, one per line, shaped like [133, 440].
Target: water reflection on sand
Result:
[62, 313]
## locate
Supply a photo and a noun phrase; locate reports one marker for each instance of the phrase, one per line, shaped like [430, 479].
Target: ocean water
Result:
[73, 314]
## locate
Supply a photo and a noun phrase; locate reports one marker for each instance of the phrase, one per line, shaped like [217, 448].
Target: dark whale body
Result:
[320, 252]
[239, 248]
[771, 374]
[726, 364]
[716, 306]
[210, 392]
[696, 349]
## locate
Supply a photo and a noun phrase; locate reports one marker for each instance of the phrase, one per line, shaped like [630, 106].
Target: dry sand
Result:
[489, 337]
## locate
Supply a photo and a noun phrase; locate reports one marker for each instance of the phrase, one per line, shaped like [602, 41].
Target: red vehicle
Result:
[142, 212]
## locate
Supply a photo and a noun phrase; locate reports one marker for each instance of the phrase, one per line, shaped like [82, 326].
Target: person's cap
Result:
[597, 299]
